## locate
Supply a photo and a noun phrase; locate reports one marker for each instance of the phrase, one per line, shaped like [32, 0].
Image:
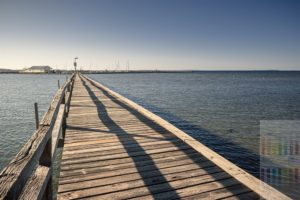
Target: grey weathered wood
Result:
[121, 169]
[46, 157]
[92, 189]
[126, 162]
[148, 170]
[17, 172]
[217, 183]
[144, 165]
[82, 153]
[117, 148]
[57, 130]
[229, 192]
[245, 196]
[36, 185]
[125, 191]
[179, 172]
[67, 102]
[46, 160]
[36, 112]
[122, 155]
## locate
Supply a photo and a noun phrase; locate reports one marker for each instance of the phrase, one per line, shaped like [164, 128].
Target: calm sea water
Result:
[18, 92]
[221, 109]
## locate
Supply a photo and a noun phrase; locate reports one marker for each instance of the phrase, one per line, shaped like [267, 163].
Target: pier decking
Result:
[116, 149]
[112, 151]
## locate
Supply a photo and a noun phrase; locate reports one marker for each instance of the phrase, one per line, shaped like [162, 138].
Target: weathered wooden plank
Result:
[98, 125]
[103, 134]
[153, 190]
[112, 142]
[74, 136]
[226, 192]
[92, 133]
[142, 166]
[244, 196]
[166, 156]
[36, 185]
[106, 168]
[209, 190]
[17, 172]
[135, 179]
[113, 129]
[87, 149]
[109, 172]
[83, 153]
[122, 155]
[138, 138]
[89, 120]
[134, 126]
[93, 189]
[56, 132]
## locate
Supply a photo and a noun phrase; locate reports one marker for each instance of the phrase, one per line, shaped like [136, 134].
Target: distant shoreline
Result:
[141, 71]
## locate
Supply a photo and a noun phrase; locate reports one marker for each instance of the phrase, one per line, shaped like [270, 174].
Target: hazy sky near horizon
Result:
[151, 34]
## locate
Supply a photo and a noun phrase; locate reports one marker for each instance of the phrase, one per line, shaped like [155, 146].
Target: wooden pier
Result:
[115, 149]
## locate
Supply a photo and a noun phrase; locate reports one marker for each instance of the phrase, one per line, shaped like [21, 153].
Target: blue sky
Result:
[165, 34]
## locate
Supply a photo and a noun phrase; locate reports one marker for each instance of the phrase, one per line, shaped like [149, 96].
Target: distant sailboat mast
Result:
[127, 66]
[117, 66]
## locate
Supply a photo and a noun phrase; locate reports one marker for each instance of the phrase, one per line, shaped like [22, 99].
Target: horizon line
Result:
[171, 70]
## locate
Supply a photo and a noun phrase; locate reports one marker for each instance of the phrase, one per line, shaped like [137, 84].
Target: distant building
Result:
[38, 69]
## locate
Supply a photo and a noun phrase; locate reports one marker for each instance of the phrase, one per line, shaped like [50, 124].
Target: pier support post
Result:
[36, 111]
[68, 87]
[64, 122]
[46, 160]
[58, 84]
